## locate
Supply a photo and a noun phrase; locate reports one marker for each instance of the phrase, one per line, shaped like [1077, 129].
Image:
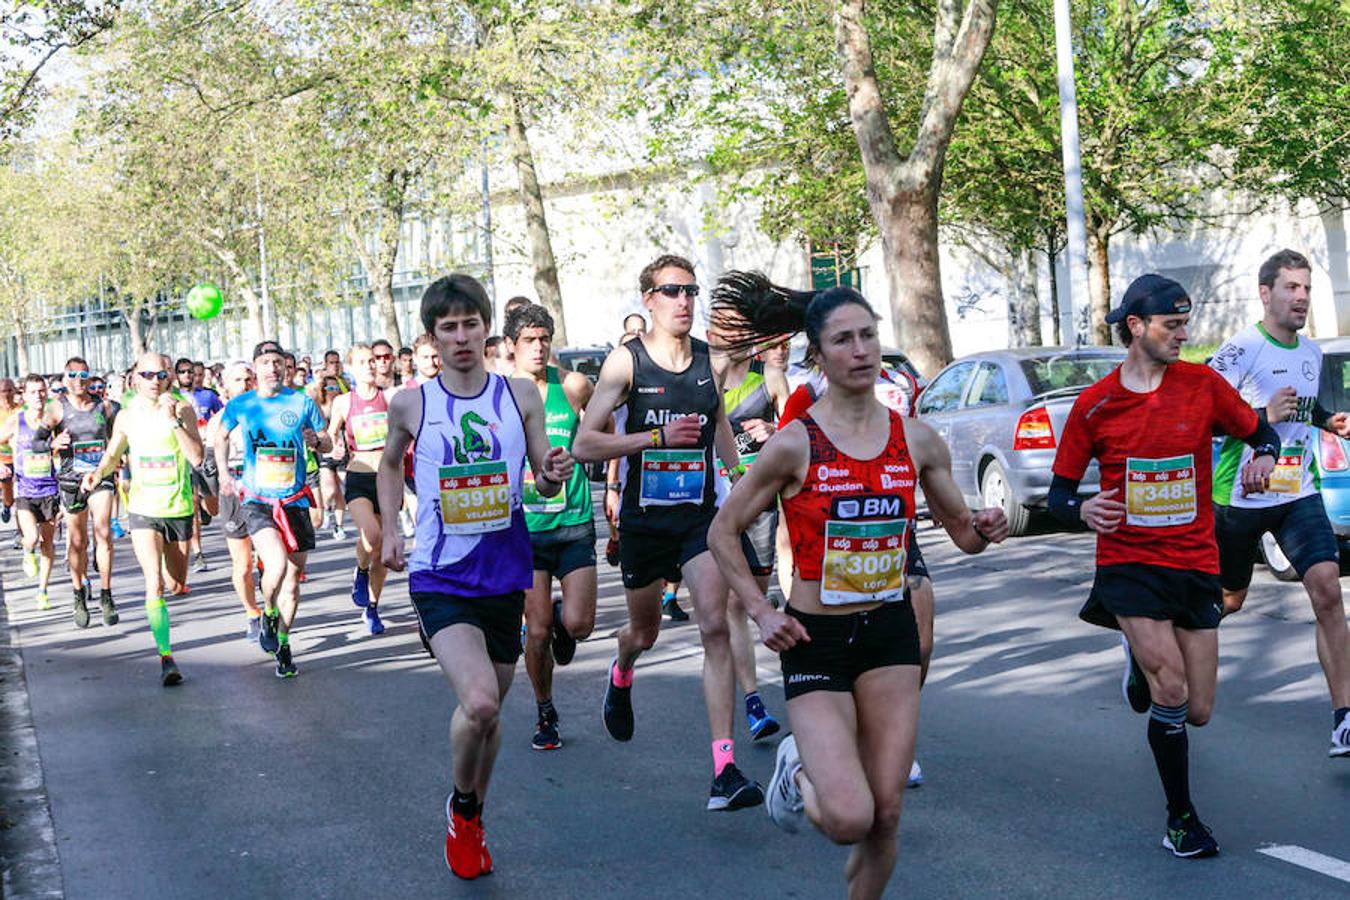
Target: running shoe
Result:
[671, 607]
[407, 524]
[285, 666]
[784, 801]
[267, 635]
[105, 600]
[17, 543]
[361, 588]
[761, 724]
[82, 608]
[1340, 739]
[1133, 684]
[372, 619]
[612, 551]
[339, 533]
[915, 778]
[168, 671]
[732, 790]
[618, 707]
[466, 850]
[43, 604]
[546, 735]
[4, 514]
[564, 645]
[775, 596]
[30, 564]
[253, 628]
[118, 532]
[1189, 838]
[199, 563]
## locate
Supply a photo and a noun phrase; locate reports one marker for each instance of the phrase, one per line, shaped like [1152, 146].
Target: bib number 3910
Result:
[475, 498]
[1160, 492]
[864, 562]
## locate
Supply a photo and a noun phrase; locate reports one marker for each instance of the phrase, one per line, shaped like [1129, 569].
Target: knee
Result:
[644, 635]
[1169, 685]
[537, 633]
[1325, 596]
[886, 818]
[481, 709]
[1198, 712]
[713, 632]
[581, 625]
[847, 826]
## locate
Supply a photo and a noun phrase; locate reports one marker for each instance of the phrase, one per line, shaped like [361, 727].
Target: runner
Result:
[279, 424]
[674, 418]
[846, 473]
[235, 380]
[205, 403]
[29, 433]
[1157, 565]
[407, 369]
[8, 407]
[324, 392]
[86, 425]
[470, 568]
[383, 353]
[158, 432]
[360, 420]
[1278, 371]
[562, 528]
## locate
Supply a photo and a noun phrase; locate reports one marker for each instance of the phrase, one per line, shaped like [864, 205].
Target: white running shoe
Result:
[1340, 739]
[915, 775]
[783, 800]
[339, 533]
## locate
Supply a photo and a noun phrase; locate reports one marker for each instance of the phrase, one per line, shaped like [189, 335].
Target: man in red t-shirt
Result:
[1149, 425]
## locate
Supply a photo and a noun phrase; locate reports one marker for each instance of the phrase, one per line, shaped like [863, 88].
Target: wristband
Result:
[1266, 450]
[614, 486]
[657, 437]
[974, 526]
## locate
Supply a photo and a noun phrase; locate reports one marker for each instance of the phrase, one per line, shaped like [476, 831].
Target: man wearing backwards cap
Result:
[1279, 372]
[277, 424]
[1149, 424]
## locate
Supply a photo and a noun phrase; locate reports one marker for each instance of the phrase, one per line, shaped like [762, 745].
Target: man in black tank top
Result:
[675, 416]
[85, 424]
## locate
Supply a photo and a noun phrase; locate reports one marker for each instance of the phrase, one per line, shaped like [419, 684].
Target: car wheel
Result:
[995, 490]
[1275, 559]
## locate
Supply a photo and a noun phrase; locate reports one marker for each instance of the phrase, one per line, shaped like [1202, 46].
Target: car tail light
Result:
[1034, 431]
[1333, 454]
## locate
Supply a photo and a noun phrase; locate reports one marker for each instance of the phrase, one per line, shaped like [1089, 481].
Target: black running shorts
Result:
[645, 556]
[562, 551]
[1185, 597]
[44, 509]
[844, 647]
[498, 617]
[361, 486]
[231, 517]
[1301, 528]
[258, 516]
[177, 529]
[759, 542]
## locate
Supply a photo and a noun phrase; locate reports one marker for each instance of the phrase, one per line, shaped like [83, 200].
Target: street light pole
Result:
[1073, 177]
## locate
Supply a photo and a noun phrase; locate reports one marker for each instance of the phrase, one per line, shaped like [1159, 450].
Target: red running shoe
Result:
[466, 851]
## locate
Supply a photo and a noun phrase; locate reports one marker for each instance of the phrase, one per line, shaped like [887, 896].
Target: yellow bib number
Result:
[475, 498]
[37, 465]
[1160, 492]
[535, 502]
[274, 468]
[157, 471]
[1287, 476]
[864, 562]
[370, 430]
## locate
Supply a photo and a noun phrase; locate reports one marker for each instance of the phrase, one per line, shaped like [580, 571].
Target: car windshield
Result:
[1334, 393]
[1066, 371]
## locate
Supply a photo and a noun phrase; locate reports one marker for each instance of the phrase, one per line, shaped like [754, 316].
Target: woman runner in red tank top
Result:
[849, 644]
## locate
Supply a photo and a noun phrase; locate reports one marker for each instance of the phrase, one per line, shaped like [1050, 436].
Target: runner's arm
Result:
[578, 389]
[337, 416]
[552, 465]
[189, 438]
[404, 410]
[592, 443]
[724, 442]
[972, 532]
[112, 456]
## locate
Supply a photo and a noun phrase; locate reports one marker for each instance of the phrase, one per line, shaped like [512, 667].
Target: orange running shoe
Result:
[464, 848]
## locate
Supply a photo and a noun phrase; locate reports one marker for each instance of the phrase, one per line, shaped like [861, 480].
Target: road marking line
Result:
[1308, 859]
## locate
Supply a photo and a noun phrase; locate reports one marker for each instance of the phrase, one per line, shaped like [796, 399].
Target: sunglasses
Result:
[58, 390]
[154, 376]
[183, 371]
[331, 388]
[674, 290]
[97, 388]
[80, 375]
[382, 355]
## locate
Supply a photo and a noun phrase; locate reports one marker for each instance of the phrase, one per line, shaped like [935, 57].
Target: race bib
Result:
[864, 562]
[157, 471]
[1160, 492]
[1287, 476]
[37, 465]
[274, 468]
[747, 460]
[370, 430]
[87, 454]
[475, 498]
[535, 502]
[671, 477]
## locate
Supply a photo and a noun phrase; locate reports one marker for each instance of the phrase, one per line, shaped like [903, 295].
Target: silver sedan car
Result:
[1001, 412]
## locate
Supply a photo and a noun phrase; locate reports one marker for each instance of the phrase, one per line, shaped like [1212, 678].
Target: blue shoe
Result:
[268, 639]
[361, 588]
[118, 532]
[4, 514]
[373, 623]
[761, 724]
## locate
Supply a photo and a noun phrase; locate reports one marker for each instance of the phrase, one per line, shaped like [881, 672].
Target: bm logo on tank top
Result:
[470, 445]
[868, 506]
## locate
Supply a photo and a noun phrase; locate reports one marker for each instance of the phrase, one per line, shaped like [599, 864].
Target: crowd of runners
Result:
[463, 460]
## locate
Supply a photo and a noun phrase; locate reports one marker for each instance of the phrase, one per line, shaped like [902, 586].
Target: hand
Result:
[392, 552]
[89, 482]
[227, 485]
[758, 429]
[558, 465]
[779, 631]
[612, 501]
[1256, 475]
[5, 471]
[167, 406]
[991, 524]
[61, 441]
[1102, 513]
[1282, 405]
[681, 432]
[309, 437]
[1340, 423]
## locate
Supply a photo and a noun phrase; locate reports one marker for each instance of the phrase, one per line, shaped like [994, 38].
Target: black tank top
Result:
[88, 429]
[664, 486]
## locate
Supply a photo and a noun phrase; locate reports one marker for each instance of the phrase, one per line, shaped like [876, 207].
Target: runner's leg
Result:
[369, 545]
[77, 547]
[241, 574]
[100, 517]
[1323, 584]
[708, 590]
[480, 686]
[538, 635]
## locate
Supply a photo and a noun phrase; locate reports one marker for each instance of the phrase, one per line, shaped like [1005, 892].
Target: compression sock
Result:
[1339, 716]
[283, 638]
[754, 706]
[158, 614]
[1171, 750]
[724, 754]
[620, 677]
[547, 713]
[466, 805]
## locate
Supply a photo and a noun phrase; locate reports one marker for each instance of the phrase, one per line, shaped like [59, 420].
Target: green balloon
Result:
[204, 301]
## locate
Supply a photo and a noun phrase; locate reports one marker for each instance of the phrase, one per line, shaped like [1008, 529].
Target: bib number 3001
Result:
[864, 562]
[475, 498]
[1160, 492]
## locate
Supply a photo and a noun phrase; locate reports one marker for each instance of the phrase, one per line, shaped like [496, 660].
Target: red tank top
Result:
[367, 422]
[850, 523]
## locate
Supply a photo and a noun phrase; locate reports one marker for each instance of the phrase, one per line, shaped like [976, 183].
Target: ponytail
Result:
[753, 312]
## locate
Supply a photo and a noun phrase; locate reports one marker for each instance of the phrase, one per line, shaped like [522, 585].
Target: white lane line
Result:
[1308, 859]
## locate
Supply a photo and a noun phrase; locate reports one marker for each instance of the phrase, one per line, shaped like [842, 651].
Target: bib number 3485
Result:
[1160, 492]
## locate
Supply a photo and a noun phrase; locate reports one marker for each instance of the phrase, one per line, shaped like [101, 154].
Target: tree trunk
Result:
[536, 226]
[1024, 304]
[379, 260]
[902, 192]
[242, 283]
[1099, 284]
[1054, 294]
[21, 346]
[132, 314]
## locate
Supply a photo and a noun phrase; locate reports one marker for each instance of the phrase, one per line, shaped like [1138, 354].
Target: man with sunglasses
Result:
[383, 353]
[157, 431]
[675, 416]
[206, 403]
[86, 424]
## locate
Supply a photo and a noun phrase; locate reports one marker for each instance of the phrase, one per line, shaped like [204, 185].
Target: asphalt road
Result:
[332, 784]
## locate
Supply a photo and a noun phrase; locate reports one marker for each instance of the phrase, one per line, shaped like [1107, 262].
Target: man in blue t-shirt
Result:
[277, 424]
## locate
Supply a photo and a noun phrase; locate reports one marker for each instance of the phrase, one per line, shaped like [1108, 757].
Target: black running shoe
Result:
[732, 790]
[267, 637]
[168, 671]
[105, 600]
[564, 645]
[618, 708]
[82, 608]
[611, 550]
[671, 607]
[546, 735]
[285, 667]
[1188, 837]
[1134, 685]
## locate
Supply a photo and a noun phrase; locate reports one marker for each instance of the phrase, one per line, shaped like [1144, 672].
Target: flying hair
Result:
[753, 313]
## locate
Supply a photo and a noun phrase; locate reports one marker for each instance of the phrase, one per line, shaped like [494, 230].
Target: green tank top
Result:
[572, 505]
[161, 485]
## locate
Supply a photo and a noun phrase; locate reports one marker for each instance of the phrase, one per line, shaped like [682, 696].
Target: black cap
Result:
[265, 347]
[1151, 295]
